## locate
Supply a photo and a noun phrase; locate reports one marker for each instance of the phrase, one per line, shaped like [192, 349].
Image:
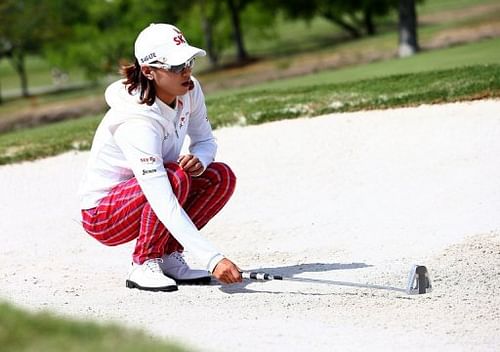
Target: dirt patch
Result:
[38, 115]
[458, 14]
[463, 35]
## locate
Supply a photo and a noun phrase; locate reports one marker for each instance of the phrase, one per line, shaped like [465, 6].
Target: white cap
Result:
[164, 43]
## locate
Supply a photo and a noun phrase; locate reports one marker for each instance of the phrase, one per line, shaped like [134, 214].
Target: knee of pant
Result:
[179, 180]
[172, 166]
[177, 170]
[224, 170]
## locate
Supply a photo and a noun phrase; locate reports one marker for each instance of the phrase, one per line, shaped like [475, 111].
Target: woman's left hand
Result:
[191, 164]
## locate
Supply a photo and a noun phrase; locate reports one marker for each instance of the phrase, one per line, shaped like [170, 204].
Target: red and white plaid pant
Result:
[125, 214]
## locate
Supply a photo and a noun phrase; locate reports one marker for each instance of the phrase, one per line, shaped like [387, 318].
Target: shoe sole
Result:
[198, 281]
[170, 288]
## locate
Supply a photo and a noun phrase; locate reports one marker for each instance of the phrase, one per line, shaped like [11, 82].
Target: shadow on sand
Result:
[289, 272]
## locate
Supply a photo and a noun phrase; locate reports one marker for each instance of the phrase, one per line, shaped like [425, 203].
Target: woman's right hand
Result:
[227, 272]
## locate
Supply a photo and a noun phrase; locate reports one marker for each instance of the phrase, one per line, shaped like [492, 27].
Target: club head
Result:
[419, 281]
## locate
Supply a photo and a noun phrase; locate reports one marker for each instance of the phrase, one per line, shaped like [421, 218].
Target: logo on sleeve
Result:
[150, 171]
[148, 160]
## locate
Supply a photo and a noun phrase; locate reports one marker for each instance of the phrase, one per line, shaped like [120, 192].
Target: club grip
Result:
[253, 275]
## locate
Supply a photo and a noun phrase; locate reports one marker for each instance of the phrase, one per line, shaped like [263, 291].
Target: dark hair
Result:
[135, 79]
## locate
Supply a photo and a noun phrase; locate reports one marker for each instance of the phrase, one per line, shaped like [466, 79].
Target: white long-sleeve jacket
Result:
[136, 140]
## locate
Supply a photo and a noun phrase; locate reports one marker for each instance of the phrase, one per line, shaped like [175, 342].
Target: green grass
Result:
[294, 37]
[47, 140]
[399, 90]
[39, 75]
[255, 107]
[483, 52]
[21, 331]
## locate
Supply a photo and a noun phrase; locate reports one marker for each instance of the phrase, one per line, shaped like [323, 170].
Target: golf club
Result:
[418, 281]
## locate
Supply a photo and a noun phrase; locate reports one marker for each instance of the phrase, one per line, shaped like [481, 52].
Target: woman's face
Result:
[169, 85]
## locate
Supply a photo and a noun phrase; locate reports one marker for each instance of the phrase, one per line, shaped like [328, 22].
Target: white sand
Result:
[354, 197]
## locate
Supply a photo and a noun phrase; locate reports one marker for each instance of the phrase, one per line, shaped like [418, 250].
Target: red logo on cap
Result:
[179, 39]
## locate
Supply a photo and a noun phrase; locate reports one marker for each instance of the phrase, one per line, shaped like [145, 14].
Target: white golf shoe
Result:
[149, 277]
[174, 266]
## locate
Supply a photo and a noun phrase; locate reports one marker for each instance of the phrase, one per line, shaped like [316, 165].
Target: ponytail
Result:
[135, 79]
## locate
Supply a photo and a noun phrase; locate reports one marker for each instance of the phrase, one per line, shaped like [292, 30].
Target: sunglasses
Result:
[174, 68]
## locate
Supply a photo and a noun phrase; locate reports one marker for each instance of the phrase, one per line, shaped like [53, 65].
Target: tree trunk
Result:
[17, 60]
[238, 38]
[408, 42]
[208, 38]
[368, 21]
[353, 31]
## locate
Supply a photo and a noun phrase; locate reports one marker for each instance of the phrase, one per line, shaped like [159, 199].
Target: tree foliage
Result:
[220, 25]
[355, 17]
[25, 25]
[97, 35]
[104, 35]
[207, 24]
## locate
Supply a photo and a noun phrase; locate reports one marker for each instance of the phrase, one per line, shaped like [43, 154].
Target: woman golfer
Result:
[137, 186]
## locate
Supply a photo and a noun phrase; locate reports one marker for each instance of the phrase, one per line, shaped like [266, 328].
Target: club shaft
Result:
[259, 276]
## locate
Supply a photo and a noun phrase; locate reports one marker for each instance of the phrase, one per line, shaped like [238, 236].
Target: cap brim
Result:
[183, 54]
